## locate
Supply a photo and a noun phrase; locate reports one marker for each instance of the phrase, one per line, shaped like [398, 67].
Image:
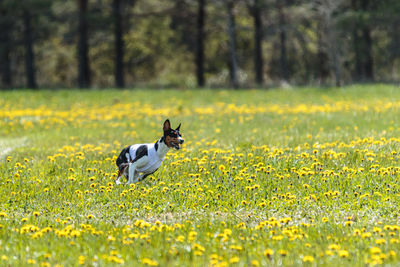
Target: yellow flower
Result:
[180, 238]
[308, 258]
[329, 252]
[268, 252]
[343, 253]
[348, 223]
[255, 263]
[334, 247]
[283, 252]
[199, 247]
[197, 253]
[192, 236]
[3, 214]
[380, 241]
[147, 261]
[31, 261]
[234, 259]
[375, 250]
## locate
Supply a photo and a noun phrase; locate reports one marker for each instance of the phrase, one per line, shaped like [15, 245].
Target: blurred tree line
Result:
[190, 43]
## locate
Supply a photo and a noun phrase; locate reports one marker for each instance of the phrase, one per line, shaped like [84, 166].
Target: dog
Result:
[136, 162]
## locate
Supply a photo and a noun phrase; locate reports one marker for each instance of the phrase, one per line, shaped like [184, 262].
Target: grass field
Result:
[266, 178]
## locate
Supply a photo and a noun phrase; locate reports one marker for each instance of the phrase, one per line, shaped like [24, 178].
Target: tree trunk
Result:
[258, 38]
[119, 45]
[200, 44]
[282, 38]
[358, 69]
[358, 73]
[232, 46]
[5, 49]
[367, 39]
[29, 55]
[83, 50]
[323, 58]
[362, 43]
[369, 63]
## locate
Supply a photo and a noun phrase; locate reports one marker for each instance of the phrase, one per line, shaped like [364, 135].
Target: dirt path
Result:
[7, 145]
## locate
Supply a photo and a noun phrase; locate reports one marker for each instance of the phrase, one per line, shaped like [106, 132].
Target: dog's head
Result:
[172, 138]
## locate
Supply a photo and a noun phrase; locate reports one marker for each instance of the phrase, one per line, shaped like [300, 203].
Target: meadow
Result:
[265, 178]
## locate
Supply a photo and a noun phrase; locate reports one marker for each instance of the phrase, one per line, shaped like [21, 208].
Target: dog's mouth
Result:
[175, 145]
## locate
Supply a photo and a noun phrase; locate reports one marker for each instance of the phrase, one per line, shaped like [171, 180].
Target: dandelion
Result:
[197, 253]
[31, 261]
[380, 241]
[180, 238]
[348, 223]
[234, 259]
[343, 253]
[375, 250]
[268, 252]
[149, 262]
[334, 247]
[283, 252]
[308, 258]
[255, 263]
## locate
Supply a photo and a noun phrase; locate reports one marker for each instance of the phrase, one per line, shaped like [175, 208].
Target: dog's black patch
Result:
[122, 156]
[156, 145]
[141, 152]
[171, 133]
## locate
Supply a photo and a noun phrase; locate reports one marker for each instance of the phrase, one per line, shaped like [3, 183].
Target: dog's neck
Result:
[161, 148]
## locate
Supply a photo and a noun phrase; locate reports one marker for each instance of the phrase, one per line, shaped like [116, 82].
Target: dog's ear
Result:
[167, 125]
[179, 127]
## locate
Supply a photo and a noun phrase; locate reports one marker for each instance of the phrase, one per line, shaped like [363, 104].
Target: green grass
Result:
[278, 177]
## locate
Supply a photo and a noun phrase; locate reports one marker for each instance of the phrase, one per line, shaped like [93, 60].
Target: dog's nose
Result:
[181, 141]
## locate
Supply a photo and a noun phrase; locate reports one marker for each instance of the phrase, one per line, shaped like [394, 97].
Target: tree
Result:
[282, 40]
[200, 43]
[326, 10]
[5, 45]
[83, 48]
[255, 11]
[119, 44]
[362, 41]
[29, 55]
[233, 63]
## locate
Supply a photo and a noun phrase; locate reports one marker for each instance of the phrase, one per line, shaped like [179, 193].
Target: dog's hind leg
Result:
[134, 176]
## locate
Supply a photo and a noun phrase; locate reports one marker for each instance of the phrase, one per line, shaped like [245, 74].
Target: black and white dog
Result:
[136, 162]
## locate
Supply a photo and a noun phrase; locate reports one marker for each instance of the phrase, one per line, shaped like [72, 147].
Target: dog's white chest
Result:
[153, 160]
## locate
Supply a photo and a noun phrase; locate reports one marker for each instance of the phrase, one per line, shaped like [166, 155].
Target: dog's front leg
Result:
[132, 174]
[122, 172]
[117, 181]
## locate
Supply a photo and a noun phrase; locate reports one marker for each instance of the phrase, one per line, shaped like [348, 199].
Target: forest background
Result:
[197, 43]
